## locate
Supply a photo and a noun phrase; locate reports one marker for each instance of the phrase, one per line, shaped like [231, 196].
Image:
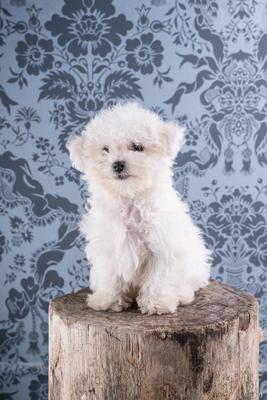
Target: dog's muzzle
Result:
[119, 167]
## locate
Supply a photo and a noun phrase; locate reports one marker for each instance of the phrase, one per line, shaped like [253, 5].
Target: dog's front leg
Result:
[160, 293]
[108, 288]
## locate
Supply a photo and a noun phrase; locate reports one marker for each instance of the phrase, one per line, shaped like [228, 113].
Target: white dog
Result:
[142, 242]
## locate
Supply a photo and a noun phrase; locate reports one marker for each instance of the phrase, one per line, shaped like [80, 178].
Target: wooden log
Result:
[205, 351]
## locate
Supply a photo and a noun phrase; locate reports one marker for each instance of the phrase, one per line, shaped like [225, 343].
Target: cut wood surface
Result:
[207, 350]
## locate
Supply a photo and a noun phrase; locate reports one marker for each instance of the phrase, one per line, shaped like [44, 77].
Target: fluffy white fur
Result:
[142, 242]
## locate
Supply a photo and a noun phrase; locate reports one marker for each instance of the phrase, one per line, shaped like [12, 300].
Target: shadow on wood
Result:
[205, 351]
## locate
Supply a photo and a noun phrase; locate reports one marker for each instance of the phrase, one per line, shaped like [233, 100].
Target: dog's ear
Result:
[76, 147]
[173, 136]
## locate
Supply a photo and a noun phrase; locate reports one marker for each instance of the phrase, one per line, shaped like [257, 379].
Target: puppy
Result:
[142, 243]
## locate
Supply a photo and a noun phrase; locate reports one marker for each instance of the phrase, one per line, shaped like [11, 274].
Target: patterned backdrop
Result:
[200, 62]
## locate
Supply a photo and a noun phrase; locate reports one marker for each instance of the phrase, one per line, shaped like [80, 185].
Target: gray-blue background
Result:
[200, 62]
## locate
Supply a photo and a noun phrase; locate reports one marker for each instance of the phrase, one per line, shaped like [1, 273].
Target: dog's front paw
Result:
[155, 305]
[98, 301]
[104, 301]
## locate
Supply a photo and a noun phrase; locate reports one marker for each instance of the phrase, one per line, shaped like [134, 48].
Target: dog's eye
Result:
[105, 149]
[136, 147]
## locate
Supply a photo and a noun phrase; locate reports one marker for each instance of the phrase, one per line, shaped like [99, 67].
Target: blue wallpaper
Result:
[200, 62]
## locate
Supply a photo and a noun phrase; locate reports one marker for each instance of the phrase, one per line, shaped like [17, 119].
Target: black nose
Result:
[118, 166]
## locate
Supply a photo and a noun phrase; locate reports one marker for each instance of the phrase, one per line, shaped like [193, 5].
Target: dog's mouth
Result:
[122, 176]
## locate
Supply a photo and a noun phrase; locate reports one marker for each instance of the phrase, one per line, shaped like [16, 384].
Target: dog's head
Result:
[126, 148]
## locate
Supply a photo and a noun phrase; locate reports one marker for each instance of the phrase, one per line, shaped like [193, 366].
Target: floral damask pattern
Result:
[34, 54]
[88, 22]
[201, 63]
[144, 53]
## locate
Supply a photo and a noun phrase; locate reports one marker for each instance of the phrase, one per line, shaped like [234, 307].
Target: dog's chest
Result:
[136, 219]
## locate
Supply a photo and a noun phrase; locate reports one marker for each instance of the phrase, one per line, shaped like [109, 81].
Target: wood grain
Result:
[206, 350]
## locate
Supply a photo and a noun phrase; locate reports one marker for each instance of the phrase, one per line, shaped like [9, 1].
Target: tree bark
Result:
[205, 351]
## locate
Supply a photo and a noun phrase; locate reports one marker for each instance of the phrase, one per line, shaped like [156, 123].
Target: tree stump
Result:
[205, 351]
